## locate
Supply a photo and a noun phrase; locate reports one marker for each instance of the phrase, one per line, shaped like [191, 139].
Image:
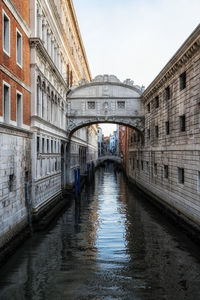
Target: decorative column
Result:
[39, 23]
[49, 41]
[44, 32]
[52, 48]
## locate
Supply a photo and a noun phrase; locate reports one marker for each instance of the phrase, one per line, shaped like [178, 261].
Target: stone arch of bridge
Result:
[105, 100]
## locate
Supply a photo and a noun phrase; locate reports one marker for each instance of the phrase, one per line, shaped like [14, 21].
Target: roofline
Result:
[79, 37]
[190, 45]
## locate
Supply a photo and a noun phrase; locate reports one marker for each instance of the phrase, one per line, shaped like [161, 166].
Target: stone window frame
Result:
[155, 169]
[6, 106]
[91, 104]
[18, 33]
[4, 14]
[181, 175]
[167, 130]
[156, 101]
[182, 81]
[19, 119]
[167, 93]
[121, 104]
[198, 181]
[182, 123]
[166, 171]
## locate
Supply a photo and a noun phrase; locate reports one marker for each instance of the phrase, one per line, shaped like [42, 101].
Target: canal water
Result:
[111, 244]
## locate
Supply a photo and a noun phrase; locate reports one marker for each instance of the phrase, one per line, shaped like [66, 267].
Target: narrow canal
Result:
[111, 244]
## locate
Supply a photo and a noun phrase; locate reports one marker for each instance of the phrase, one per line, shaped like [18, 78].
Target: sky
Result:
[134, 38]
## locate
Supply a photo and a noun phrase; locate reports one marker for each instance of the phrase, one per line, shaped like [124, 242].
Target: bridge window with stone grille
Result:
[121, 104]
[91, 105]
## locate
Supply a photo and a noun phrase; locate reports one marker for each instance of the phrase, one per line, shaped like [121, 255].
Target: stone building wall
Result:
[167, 164]
[15, 135]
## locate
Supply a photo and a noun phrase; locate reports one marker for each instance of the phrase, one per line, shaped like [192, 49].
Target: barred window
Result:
[121, 104]
[91, 105]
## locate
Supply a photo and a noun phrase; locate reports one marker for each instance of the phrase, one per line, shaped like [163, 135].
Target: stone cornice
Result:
[71, 7]
[181, 57]
[38, 44]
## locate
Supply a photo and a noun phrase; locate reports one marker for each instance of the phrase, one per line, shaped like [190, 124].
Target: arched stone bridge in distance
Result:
[112, 158]
[105, 100]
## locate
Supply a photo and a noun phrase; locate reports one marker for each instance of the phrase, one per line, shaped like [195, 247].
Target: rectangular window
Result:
[156, 131]
[182, 123]
[181, 175]
[121, 104]
[47, 145]
[42, 145]
[142, 165]
[198, 181]
[167, 93]
[182, 81]
[6, 34]
[167, 127]
[6, 102]
[155, 169]
[157, 102]
[19, 110]
[38, 144]
[91, 105]
[148, 108]
[148, 134]
[19, 48]
[166, 171]
[51, 146]
[133, 164]
[147, 166]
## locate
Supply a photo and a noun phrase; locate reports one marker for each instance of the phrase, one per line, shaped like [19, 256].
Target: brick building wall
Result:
[15, 135]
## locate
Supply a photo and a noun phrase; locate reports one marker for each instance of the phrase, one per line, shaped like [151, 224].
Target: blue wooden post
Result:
[79, 180]
[76, 182]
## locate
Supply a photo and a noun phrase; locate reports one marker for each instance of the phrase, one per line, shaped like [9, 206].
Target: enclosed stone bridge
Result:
[112, 158]
[105, 100]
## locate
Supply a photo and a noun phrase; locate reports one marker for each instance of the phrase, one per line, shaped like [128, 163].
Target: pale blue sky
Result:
[134, 38]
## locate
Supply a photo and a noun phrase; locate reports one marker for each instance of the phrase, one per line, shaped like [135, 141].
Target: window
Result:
[181, 175]
[133, 164]
[147, 166]
[157, 102]
[198, 181]
[6, 102]
[148, 134]
[166, 171]
[148, 108]
[182, 81]
[167, 93]
[42, 145]
[19, 49]
[38, 144]
[121, 104]
[142, 165]
[6, 34]
[51, 146]
[182, 123]
[155, 169]
[91, 105]
[167, 127]
[47, 145]
[19, 109]
[156, 131]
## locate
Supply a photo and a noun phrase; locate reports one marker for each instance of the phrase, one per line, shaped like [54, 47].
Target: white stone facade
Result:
[58, 62]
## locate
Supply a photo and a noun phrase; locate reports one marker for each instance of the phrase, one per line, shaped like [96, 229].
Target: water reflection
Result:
[110, 244]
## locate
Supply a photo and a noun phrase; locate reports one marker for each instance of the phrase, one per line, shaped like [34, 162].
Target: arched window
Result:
[48, 105]
[39, 96]
[52, 106]
[44, 104]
